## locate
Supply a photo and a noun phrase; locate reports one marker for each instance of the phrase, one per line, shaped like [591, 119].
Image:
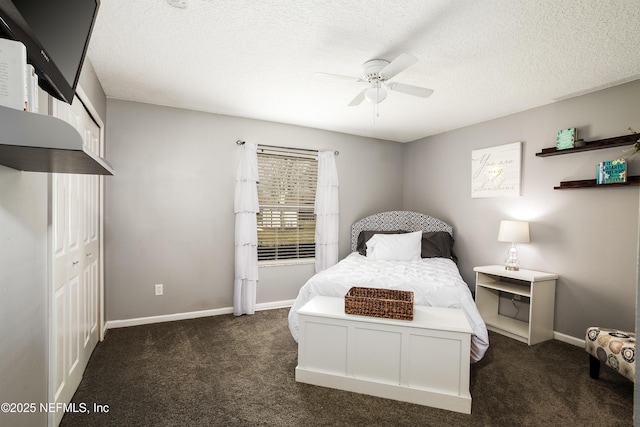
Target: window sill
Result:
[285, 262]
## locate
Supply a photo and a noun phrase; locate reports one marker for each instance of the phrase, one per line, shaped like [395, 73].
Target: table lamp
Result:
[513, 232]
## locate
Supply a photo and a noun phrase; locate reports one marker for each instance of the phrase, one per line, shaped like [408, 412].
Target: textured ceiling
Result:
[256, 59]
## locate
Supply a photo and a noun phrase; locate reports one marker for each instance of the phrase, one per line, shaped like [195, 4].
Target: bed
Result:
[434, 280]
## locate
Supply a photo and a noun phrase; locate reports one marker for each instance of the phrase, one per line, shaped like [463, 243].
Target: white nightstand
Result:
[538, 286]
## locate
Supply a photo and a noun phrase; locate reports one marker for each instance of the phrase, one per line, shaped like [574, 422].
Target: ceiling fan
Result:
[377, 73]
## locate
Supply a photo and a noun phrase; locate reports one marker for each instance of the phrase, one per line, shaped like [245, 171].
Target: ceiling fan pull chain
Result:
[378, 96]
[375, 113]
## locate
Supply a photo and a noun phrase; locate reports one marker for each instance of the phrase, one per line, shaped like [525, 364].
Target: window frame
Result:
[289, 183]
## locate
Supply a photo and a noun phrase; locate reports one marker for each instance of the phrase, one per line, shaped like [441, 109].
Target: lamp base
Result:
[511, 262]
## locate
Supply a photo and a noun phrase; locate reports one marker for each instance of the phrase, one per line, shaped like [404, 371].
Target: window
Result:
[286, 194]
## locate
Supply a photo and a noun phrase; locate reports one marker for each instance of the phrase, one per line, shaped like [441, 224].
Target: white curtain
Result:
[246, 243]
[327, 212]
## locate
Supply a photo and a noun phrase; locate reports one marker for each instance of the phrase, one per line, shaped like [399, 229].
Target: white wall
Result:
[169, 208]
[587, 236]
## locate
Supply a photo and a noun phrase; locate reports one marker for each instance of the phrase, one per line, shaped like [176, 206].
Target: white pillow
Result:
[395, 247]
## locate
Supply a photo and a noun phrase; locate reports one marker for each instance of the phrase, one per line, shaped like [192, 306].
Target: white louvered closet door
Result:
[75, 266]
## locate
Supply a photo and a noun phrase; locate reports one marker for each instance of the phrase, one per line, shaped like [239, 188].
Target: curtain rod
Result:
[241, 142]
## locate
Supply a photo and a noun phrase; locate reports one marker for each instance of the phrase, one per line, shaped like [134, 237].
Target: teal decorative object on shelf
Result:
[612, 171]
[568, 138]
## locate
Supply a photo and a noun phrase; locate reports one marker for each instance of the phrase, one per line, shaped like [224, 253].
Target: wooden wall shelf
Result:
[591, 183]
[617, 141]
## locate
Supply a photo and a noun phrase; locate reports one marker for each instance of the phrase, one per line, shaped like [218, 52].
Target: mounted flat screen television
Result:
[56, 35]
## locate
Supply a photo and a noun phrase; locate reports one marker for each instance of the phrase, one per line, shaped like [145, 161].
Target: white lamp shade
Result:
[514, 232]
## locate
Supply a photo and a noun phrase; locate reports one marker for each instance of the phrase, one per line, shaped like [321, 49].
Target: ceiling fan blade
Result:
[422, 92]
[401, 63]
[358, 99]
[337, 76]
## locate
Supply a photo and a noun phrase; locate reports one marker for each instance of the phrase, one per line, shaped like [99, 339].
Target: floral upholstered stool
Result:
[616, 349]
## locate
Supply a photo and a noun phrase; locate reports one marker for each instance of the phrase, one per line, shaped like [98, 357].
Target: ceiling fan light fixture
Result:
[378, 72]
[375, 94]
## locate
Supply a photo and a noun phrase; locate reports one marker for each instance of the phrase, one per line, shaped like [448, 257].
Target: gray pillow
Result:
[437, 244]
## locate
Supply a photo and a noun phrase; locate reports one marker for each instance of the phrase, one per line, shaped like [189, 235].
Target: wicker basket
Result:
[388, 303]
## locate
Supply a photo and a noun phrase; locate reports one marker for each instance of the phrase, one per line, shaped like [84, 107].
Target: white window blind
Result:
[286, 194]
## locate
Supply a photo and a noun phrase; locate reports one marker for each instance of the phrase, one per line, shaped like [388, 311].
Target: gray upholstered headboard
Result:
[397, 220]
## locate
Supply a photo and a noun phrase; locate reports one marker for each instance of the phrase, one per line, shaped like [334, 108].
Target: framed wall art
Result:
[495, 171]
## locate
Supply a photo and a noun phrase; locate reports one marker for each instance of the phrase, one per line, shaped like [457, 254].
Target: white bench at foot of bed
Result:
[423, 361]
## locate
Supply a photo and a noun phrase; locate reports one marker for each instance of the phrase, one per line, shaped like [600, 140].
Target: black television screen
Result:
[56, 35]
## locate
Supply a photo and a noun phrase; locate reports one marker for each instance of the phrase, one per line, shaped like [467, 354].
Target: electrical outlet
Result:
[159, 289]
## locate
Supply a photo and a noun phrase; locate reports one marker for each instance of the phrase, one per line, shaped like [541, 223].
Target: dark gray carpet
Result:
[228, 371]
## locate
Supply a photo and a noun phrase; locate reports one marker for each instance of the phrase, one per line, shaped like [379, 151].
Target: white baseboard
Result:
[568, 339]
[112, 324]
[274, 305]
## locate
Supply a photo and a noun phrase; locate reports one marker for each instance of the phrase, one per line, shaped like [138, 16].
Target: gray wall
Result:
[172, 198]
[93, 89]
[23, 280]
[587, 236]
[169, 216]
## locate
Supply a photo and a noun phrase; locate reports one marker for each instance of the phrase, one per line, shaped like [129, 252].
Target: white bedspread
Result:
[435, 282]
